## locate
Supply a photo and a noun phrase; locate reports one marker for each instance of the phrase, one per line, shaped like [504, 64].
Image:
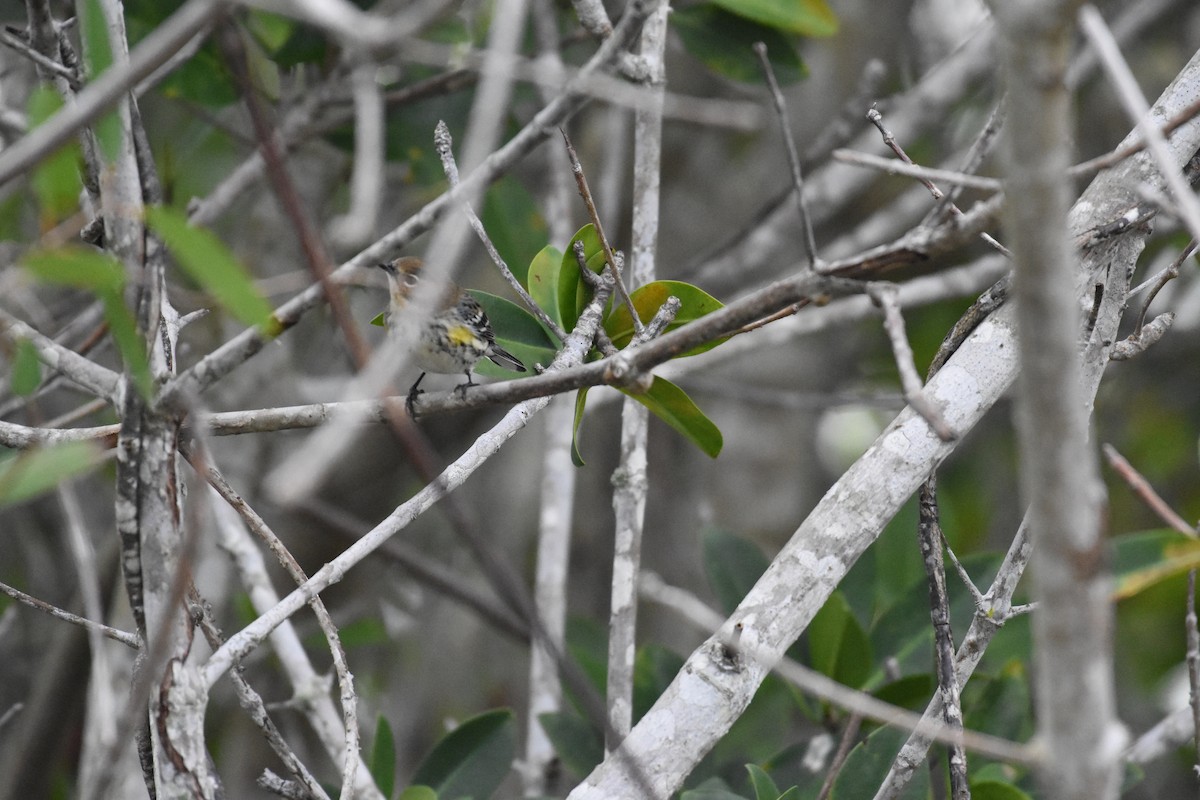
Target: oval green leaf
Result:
[838, 644]
[55, 181]
[801, 17]
[203, 257]
[575, 740]
[694, 303]
[732, 565]
[27, 474]
[672, 405]
[104, 276]
[383, 758]
[543, 280]
[518, 332]
[26, 369]
[571, 289]
[724, 43]
[764, 787]
[473, 759]
[580, 405]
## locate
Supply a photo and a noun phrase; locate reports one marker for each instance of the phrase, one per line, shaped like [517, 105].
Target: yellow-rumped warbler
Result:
[452, 340]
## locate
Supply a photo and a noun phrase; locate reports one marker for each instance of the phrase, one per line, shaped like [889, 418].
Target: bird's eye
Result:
[411, 280]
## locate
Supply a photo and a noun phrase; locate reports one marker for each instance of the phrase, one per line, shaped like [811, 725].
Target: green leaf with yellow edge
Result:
[26, 369]
[543, 280]
[1145, 558]
[27, 474]
[801, 17]
[694, 303]
[56, 182]
[672, 405]
[202, 255]
[572, 291]
[518, 332]
[102, 275]
[580, 405]
[724, 43]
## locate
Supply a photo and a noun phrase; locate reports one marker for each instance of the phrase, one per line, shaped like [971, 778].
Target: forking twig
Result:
[876, 119]
[444, 145]
[609, 256]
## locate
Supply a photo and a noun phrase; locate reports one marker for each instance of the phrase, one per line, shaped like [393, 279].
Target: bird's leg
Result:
[413, 393]
[461, 389]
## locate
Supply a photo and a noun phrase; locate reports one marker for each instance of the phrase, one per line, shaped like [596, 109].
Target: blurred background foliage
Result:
[793, 415]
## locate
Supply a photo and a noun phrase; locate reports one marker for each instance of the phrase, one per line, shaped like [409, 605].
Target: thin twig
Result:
[1193, 662]
[1138, 109]
[444, 146]
[1145, 491]
[825, 688]
[884, 295]
[876, 119]
[127, 639]
[849, 734]
[609, 257]
[1165, 277]
[924, 174]
[810, 242]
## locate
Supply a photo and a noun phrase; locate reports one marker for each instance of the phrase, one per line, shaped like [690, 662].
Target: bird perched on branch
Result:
[452, 339]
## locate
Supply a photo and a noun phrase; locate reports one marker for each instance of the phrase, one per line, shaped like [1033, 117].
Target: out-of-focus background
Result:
[796, 402]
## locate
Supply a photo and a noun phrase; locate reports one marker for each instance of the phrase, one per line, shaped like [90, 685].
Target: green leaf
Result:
[580, 405]
[133, 350]
[647, 299]
[29, 473]
[672, 405]
[733, 565]
[571, 290]
[764, 787]
[26, 370]
[542, 280]
[97, 50]
[518, 332]
[711, 789]
[868, 764]
[724, 43]
[104, 276]
[383, 758]
[577, 743]
[418, 793]
[514, 224]
[380, 319]
[838, 644]
[653, 670]
[1145, 558]
[911, 692]
[211, 265]
[271, 30]
[90, 270]
[996, 790]
[473, 759]
[55, 181]
[802, 17]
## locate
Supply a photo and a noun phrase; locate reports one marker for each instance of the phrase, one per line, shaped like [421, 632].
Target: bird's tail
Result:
[503, 358]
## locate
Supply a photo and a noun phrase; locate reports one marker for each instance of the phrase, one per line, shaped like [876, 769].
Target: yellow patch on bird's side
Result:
[462, 335]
